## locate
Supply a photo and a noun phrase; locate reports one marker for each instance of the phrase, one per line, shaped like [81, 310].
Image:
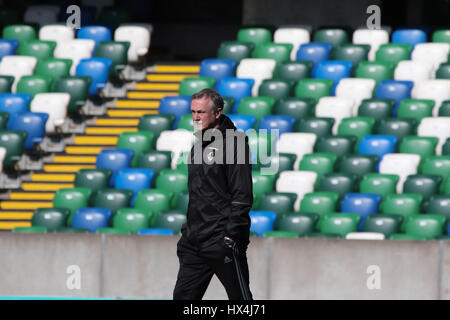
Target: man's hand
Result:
[228, 242]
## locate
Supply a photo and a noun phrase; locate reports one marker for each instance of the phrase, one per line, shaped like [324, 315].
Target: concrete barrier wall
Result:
[131, 266]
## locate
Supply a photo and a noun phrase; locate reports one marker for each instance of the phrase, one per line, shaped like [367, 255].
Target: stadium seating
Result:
[55, 105]
[137, 141]
[96, 33]
[293, 35]
[8, 47]
[14, 142]
[50, 218]
[373, 37]
[217, 68]
[262, 221]
[17, 66]
[287, 182]
[170, 219]
[76, 50]
[33, 123]
[235, 50]
[257, 69]
[409, 36]
[94, 179]
[56, 32]
[314, 51]
[98, 70]
[254, 35]
[139, 38]
[91, 218]
[131, 219]
[113, 199]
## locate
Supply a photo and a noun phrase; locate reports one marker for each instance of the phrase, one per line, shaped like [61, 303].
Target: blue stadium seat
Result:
[156, 231]
[114, 159]
[14, 103]
[97, 69]
[334, 70]
[314, 51]
[262, 221]
[394, 89]
[377, 144]
[31, 122]
[362, 204]
[96, 33]
[409, 36]
[242, 122]
[134, 179]
[217, 68]
[281, 122]
[8, 47]
[236, 88]
[176, 105]
[91, 218]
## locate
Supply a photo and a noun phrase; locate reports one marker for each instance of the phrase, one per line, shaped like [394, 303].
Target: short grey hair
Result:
[213, 95]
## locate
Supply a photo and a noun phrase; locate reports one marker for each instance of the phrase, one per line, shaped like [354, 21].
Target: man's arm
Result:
[239, 175]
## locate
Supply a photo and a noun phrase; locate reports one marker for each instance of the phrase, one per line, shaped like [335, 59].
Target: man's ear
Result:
[219, 113]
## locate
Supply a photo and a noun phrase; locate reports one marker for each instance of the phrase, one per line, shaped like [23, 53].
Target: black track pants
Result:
[197, 266]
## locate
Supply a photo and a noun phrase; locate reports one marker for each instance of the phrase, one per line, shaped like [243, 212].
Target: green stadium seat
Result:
[131, 219]
[109, 230]
[335, 36]
[340, 223]
[379, 183]
[387, 224]
[117, 51]
[153, 201]
[275, 88]
[93, 179]
[439, 204]
[37, 48]
[72, 199]
[6, 83]
[279, 202]
[261, 144]
[183, 201]
[444, 109]
[340, 183]
[443, 72]
[50, 218]
[55, 68]
[172, 180]
[321, 163]
[235, 50]
[393, 52]
[424, 184]
[33, 229]
[137, 141]
[280, 234]
[156, 123]
[359, 164]
[34, 85]
[376, 70]
[313, 88]
[228, 103]
[182, 161]
[155, 160]
[280, 52]
[297, 222]
[426, 225]
[77, 87]
[339, 145]
[254, 35]
[4, 117]
[186, 122]
[296, 107]
[262, 183]
[356, 126]
[170, 219]
[441, 36]
[446, 147]
[438, 165]
[403, 236]
[189, 86]
[256, 106]
[19, 32]
[399, 127]
[282, 161]
[320, 203]
[415, 108]
[293, 70]
[113, 199]
[351, 52]
[13, 141]
[320, 126]
[405, 205]
[423, 146]
[378, 108]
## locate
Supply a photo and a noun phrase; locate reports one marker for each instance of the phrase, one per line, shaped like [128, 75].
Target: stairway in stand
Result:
[81, 152]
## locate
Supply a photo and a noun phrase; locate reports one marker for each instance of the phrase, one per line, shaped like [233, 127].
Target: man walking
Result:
[215, 238]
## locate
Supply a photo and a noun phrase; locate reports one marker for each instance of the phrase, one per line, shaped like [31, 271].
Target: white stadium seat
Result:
[56, 32]
[298, 143]
[17, 66]
[76, 50]
[294, 36]
[435, 127]
[176, 141]
[55, 104]
[373, 37]
[299, 182]
[415, 71]
[356, 89]
[139, 38]
[434, 53]
[365, 236]
[2, 157]
[435, 89]
[334, 107]
[257, 69]
[401, 164]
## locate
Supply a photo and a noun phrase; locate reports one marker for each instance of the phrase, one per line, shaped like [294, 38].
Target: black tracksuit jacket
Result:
[220, 191]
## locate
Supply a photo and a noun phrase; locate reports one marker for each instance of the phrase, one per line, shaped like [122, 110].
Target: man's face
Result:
[203, 114]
